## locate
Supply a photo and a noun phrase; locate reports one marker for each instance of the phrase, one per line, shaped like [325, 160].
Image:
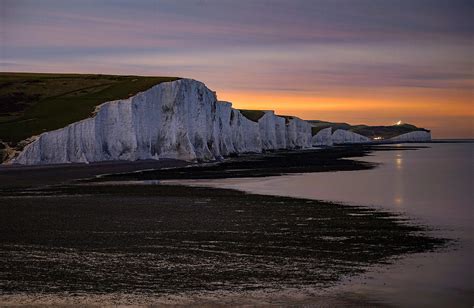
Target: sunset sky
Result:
[371, 62]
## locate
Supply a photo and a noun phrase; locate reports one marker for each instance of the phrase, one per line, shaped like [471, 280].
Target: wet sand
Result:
[12, 176]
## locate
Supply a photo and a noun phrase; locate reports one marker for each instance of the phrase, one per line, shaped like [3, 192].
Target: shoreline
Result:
[15, 176]
[222, 240]
[339, 159]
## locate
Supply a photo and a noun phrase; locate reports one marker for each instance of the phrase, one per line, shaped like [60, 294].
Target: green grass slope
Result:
[320, 125]
[32, 103]
[252, 115]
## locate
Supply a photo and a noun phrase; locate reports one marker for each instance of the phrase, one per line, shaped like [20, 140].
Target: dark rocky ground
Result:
[17, 176]
[85, 239]
[270, 164]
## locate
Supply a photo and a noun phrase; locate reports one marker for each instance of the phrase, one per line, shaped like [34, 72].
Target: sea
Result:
[433, 186]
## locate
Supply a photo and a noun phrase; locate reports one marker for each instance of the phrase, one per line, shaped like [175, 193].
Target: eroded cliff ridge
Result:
[181, 119]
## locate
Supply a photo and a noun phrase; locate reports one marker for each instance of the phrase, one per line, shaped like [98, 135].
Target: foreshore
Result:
[245, 165]
[75, 242]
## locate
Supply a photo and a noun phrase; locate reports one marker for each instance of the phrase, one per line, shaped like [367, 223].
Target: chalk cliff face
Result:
[341, 136]
[279, 132]
[245, 134]
[180, 119]
[323, 137]
[298, 133]
[272, 133]
[183, 120]
[416, 136]
[175, 120]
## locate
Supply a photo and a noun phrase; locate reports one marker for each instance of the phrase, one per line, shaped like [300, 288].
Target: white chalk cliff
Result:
[180, 119]
[323, 137]
[416, 136]
[341, 136]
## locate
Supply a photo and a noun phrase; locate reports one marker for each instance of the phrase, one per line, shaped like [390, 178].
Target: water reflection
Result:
[399, 180]
[398, 200]
[399, 161]
[433, 185]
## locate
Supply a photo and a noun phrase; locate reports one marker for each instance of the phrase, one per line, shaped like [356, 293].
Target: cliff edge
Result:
[180, 119]
[183, 119]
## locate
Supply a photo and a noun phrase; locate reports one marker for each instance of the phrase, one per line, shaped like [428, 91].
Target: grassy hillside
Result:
[252, 115]
[32, 103]
[385, 132]
[320, 125]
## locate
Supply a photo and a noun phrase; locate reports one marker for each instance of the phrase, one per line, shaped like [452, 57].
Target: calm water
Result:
[433, 186]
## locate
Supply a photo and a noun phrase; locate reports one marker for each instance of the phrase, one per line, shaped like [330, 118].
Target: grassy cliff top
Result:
[385, 132]
[32, 103]
[252, 115]
[255, 115]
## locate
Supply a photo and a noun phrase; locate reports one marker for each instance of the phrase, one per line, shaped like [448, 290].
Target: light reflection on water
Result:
[431, 185]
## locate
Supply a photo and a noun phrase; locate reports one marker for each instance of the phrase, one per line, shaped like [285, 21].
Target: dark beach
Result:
[69, 237]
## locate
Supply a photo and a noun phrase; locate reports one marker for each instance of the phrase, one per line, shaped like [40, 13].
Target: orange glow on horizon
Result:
[375, 108]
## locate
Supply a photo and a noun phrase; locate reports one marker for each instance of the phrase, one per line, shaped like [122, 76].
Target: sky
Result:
[357, 61]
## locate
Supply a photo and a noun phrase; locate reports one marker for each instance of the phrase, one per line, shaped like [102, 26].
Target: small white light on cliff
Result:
[399, 122]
